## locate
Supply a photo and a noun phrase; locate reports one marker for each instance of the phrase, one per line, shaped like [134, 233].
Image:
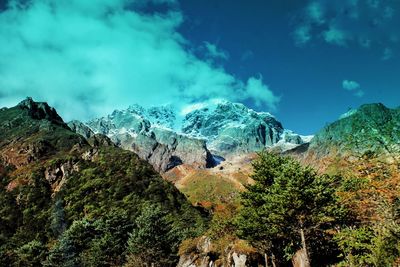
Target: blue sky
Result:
[259, 38]
[304, 61]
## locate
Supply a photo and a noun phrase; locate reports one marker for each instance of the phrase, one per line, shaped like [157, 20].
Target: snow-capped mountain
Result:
[234, 128]
[167, 138]
[148, 133]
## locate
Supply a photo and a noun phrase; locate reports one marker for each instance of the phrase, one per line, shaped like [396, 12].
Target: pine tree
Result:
[149, 242]
[289, 208]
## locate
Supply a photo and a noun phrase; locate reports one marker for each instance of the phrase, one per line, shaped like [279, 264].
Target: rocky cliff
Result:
[166, 140]
[232, 128]
[31, 131]
[201, 253]
[146, 133]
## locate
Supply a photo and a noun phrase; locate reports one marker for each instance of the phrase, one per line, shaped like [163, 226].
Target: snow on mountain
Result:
[219, 126]
[234, 128]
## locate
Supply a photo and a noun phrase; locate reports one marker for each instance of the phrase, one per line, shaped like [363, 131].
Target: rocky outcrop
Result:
[58, 173]
[80, 128]
[40, 111]
[224, 128]
[292, 138]
[232, 128]
[162, 147]
[97, 140]
[31, 131]
[202, 254]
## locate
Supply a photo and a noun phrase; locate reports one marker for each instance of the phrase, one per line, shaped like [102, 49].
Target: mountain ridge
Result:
[208, 133]
[63, 195]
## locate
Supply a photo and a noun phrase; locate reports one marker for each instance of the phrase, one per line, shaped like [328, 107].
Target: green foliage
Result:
[285, 199]
[57, 218]
[355, 245]
[376, 244]
[202, 186]
[92, 242]
[87, 223]
[10, 217]
[30, 254]
[152, 239]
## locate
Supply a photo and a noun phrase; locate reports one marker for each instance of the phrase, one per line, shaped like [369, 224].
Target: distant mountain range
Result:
[63, 182]
[204, 137]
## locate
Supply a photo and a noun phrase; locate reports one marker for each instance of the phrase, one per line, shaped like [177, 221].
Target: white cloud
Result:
[336, 36]
[354, 87]
[214, 52]
[315, 11]
[302, 35]
[87, 59]
[211, 104]
[387, 54]
[350, 85]
[359, 93]
[256, 87]
[370, 24]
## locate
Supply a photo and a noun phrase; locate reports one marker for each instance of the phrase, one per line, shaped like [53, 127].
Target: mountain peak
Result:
[40, 111]
[371, 127]
[373, 108]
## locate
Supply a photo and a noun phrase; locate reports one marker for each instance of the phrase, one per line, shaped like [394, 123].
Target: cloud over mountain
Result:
[87, 59]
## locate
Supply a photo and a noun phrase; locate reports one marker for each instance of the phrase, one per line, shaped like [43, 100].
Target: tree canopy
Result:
[288, 208]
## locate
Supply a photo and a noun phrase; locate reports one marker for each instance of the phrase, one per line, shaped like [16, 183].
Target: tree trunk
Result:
[266, 259]
[273, 260]
[304, 248]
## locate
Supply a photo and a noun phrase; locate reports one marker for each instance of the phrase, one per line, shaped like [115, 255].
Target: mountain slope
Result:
[31, 131]
[363, 147]
[159, 136]
[64, 202]
[144, 132]
[232, 128]
[371, 132]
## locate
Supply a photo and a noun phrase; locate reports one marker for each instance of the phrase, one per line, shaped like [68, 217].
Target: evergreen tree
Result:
[289, 208]
[373, 244]
[149, 242]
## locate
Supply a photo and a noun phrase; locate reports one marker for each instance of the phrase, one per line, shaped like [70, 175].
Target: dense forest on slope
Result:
[65, 202]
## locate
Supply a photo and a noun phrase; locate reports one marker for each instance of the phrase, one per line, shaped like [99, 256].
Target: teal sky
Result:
[304, 61]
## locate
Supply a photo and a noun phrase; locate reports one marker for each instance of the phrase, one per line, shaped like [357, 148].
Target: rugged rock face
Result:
[40, 111]
[202, 255]
[145, 132]
[31, 131]
[57, 174]
[371, 128]
[81, 128]
[158, 136]
[231, 128]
